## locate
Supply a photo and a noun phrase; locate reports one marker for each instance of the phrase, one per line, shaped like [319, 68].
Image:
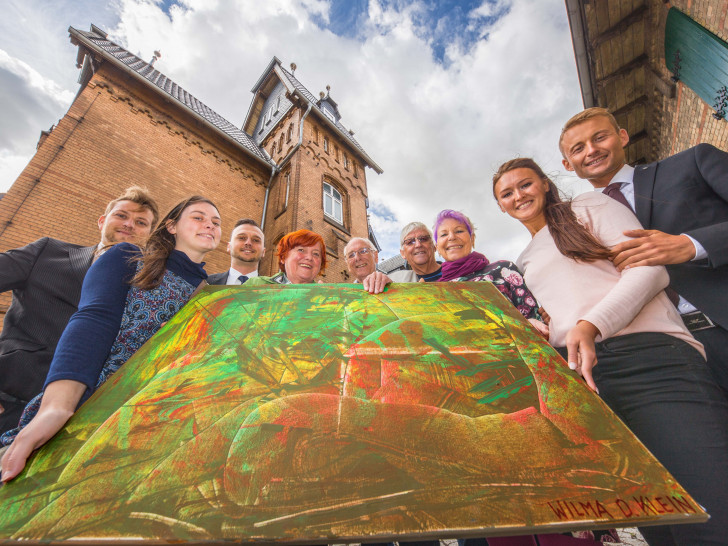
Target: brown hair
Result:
[302, 237]
[583, 116]
[160, 245]
[140, 196]
[572, 238]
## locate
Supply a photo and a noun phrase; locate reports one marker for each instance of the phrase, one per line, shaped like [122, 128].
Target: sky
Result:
[438, 92]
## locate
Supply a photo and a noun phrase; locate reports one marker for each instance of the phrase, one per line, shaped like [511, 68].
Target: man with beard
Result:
[246, 249]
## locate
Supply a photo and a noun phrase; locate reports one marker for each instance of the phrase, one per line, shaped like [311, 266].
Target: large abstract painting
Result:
[321, 413]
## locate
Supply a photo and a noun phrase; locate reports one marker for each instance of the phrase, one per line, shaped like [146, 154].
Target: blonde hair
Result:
[140, 196]
[585, 115]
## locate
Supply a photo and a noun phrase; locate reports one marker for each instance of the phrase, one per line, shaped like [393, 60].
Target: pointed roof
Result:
[293, 85]
[96, 41]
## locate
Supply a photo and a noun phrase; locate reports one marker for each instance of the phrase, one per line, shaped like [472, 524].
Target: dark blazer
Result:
[45, 277]
[218, 278]
[688, 193]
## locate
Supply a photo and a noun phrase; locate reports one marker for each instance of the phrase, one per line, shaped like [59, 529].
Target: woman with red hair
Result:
[301, 257]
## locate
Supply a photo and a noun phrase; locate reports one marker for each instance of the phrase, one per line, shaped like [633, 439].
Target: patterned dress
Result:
[508, 279]
[144, 313]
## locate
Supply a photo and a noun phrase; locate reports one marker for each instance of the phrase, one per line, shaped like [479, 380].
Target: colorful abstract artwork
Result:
[320, 414]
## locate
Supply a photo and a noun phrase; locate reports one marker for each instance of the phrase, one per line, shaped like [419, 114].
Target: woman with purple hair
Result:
[454, 238]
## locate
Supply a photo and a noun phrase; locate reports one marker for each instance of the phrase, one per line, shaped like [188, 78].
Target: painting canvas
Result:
[321, 413]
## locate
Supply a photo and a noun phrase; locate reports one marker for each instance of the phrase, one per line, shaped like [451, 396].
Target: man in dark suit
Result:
[246, 249]
[45, 278]
[682, 202]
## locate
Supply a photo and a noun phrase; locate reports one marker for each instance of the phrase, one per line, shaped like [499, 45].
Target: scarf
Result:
[471, 263]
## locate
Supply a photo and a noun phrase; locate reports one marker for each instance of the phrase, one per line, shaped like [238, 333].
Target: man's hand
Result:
[652, 247]
[376, 282]
[582, 354]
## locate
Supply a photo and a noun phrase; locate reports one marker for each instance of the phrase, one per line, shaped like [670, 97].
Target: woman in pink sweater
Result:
[651, 370]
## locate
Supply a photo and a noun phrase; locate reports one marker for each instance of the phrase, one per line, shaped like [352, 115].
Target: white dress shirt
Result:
[234, 274]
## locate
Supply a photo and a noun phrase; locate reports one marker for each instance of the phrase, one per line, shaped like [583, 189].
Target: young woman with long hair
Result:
[651, 370]
[127, 295]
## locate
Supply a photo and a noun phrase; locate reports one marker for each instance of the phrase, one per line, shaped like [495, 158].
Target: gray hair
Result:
[354, 240]
[409, 228]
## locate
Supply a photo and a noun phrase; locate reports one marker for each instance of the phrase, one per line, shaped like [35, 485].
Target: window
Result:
[280, 143]
[290, 133]
[273, 149]
[333, 205]
[336, 152]
[356, 170]
[269, 115]
[288, 188]
[278, 105]
[326, 145]
[329, 115]
[696, 57]
[315, 135]
[346, 161]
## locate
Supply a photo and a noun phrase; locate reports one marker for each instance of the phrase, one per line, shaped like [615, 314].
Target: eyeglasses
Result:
[362, 252]
[421, 238]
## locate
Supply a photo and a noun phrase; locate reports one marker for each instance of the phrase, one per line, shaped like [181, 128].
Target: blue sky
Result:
[438, 93]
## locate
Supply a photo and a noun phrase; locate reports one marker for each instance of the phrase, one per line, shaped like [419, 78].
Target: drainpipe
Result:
[277, 168]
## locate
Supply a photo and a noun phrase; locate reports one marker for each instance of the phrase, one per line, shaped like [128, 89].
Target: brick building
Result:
[293, 165]
[658, 66]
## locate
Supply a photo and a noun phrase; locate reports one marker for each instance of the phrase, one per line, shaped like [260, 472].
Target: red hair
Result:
[302, 237]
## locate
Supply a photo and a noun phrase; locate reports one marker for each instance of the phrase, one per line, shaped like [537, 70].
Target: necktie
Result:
[242, 279]
[613, 191]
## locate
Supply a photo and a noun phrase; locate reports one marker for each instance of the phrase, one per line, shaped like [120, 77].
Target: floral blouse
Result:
[508, 279]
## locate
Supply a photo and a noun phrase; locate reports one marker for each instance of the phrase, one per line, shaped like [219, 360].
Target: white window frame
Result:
[331, 198]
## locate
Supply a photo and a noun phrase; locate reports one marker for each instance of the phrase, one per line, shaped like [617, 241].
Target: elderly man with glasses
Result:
[361, 259]
[418, 249]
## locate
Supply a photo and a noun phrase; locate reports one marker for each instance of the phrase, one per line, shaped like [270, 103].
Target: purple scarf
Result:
[471, 263]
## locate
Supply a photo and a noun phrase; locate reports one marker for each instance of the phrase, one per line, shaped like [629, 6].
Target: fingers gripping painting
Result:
[321, 413]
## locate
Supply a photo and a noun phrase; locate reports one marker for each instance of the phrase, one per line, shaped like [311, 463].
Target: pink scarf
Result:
[471, 263]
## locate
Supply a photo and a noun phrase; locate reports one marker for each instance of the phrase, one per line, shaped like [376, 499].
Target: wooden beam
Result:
[637, 62]
[642, 99]
[619, 27]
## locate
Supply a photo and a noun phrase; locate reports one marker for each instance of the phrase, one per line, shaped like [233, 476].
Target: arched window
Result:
[280, 143]
[290, 133]
[273, 149]
[333, 203]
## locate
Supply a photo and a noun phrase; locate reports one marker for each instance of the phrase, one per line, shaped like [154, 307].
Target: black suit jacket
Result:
[688, 193]
[218, 278]
[45, 277]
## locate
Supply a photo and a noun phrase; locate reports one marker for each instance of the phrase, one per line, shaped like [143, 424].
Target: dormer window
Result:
[329, 115]
[278, 104]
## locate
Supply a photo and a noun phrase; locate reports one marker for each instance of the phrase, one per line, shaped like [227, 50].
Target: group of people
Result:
[633, 278]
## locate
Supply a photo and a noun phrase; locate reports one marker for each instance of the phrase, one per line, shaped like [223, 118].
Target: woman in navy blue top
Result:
[127, 295]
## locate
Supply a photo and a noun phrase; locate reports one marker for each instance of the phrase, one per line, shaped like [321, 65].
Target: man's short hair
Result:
[246, 222]
[409, 228]
[585, 115]
[140, 196]
[354, 240]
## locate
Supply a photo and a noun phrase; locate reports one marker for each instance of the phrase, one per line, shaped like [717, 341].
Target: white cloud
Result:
[438, 130]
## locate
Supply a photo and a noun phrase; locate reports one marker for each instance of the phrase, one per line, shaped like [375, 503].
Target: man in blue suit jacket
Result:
[45, 277]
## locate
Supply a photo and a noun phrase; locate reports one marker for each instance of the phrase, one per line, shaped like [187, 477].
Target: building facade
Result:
[658, 66]
[293, 165]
